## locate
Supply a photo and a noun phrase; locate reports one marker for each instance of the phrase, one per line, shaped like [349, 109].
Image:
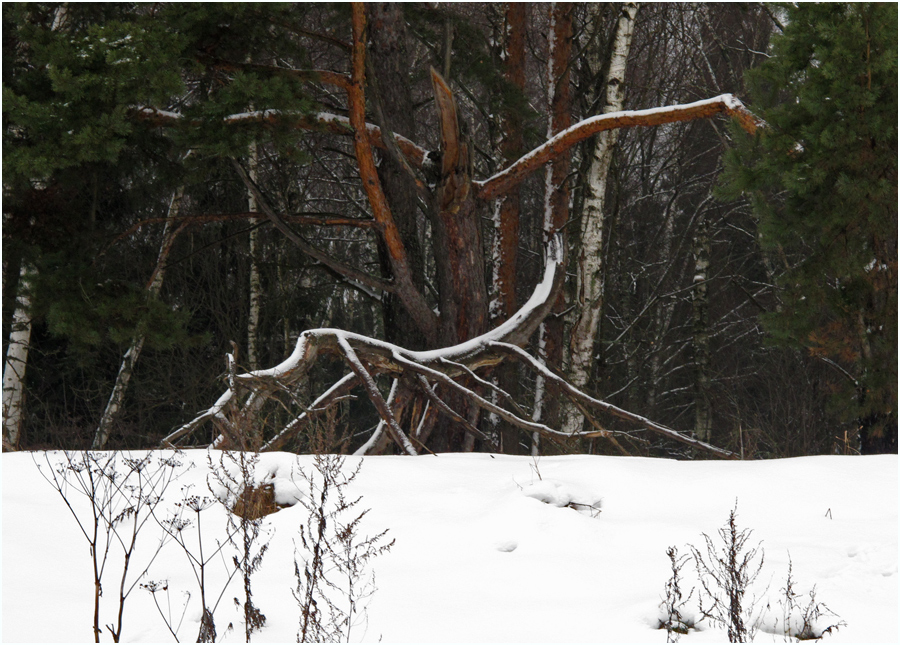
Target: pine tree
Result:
[823, 177]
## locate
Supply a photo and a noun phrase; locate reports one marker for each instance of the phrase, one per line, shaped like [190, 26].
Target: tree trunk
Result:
[664, 313]
[556, 194]
[506, 214]
[403, 280]
[453, 210]
[459, 259]
[114, 405]
[590, 269]
[12, 269]
[14, 367]
[507, 206]
[255, 283]
[390, 90]
[20, 334]
[700, 303]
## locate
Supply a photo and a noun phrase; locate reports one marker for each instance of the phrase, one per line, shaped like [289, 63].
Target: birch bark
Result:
[20, 335]
[129, 360]
[590, 267]
[14, 367]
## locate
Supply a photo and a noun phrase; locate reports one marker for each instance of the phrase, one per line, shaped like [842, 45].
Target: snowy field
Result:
[487, 549]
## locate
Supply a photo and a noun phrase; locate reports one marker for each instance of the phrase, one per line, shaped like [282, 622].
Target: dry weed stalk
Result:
[334, 583]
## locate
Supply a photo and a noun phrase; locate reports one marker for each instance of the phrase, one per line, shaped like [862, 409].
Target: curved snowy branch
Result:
[726, 103]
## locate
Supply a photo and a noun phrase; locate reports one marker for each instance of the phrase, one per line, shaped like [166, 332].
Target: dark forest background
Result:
[749, 281]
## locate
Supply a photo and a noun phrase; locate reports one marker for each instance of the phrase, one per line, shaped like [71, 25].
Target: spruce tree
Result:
[81, 166]
[823, 179]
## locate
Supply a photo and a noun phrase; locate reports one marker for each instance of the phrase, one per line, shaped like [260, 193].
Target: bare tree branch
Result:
[726, 103]
[279, 223]
[577, 395]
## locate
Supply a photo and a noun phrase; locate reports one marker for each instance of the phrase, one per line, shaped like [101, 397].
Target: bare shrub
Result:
[122, 493]
[726, 575]
[247, 503]
[804, 621]
[672, 620]
[328, 433]
[176, 527]
[334, 582]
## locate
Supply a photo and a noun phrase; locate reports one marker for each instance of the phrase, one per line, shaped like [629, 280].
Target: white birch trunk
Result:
[255, 283]
[20, 336]
[552, 128]
[16, 362]
[590, 269]
[129, 360]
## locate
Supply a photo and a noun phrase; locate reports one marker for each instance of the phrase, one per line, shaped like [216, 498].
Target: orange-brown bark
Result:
[413, 300]
[502, 182]
[507, 229]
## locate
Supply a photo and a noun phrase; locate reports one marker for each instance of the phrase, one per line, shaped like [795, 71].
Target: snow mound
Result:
[563, 495]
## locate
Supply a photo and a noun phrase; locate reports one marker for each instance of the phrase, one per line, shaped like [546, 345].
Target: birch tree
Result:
[130, 359]
[589, 267]
[15, 365]
[255, 254]
[556, 201]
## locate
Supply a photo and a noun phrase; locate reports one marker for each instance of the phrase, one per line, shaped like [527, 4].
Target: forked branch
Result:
[725, 104]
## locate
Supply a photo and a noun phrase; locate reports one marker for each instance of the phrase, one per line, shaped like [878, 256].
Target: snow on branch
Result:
[562, 141]
[321, 121]
[368, 357]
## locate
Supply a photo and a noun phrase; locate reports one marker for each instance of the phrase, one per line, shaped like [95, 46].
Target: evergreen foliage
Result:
[823, 178]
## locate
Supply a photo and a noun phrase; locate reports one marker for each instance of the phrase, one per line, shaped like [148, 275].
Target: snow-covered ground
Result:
[487, 549]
